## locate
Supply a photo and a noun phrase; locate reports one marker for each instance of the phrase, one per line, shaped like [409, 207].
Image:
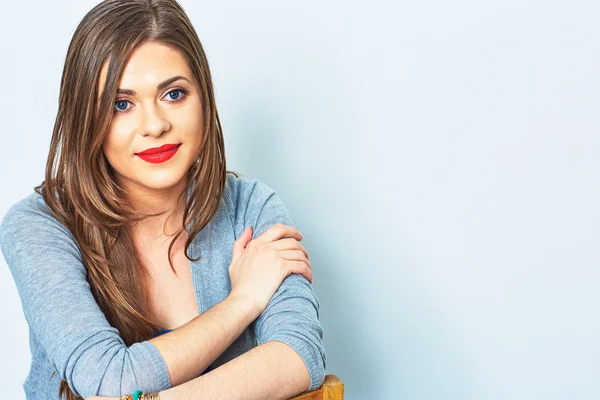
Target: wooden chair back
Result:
[331, 389]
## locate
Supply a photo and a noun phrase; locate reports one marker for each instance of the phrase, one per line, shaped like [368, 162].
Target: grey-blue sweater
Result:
[69, 334]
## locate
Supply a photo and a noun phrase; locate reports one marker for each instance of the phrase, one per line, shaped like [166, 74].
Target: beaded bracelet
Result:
[139, 395]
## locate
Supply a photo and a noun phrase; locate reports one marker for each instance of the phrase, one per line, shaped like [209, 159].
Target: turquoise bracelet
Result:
[136, 395]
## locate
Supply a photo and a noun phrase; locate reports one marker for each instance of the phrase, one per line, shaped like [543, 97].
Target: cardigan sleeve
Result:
[292, 314]
[62, 314]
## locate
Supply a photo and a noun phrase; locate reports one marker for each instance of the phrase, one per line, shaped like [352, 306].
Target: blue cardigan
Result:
[70, 335]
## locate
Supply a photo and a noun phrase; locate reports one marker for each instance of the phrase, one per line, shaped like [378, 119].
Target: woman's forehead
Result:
[148, 66]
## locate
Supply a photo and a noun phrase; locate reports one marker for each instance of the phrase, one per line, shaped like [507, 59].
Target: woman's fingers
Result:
[295, 262]
[240, 244]
[295, 255]
[279, 231]
[298, 267]
[289, 244]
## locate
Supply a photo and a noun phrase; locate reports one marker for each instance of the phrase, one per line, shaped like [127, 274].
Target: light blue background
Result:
[441, 158]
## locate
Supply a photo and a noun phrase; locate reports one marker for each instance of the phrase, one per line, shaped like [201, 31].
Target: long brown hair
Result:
[80, 188]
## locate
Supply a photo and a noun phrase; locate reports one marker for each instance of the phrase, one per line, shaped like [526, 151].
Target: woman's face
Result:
[157, 104]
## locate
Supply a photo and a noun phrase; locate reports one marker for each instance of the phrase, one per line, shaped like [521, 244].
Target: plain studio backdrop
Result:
[441, 159]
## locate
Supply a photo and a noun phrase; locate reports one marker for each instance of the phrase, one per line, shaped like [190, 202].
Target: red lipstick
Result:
[160, 154]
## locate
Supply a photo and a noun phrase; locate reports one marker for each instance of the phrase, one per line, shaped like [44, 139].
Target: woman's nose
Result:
[153, 121]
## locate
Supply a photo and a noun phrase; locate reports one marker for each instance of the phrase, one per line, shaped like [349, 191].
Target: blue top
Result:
[70, 335]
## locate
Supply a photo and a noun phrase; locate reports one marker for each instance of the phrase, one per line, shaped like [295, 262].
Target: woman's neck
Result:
[159, 230]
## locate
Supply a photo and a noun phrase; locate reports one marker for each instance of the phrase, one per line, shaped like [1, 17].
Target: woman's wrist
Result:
[248, 309]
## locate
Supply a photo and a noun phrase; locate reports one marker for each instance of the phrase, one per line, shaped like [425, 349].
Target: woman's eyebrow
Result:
[160, 86]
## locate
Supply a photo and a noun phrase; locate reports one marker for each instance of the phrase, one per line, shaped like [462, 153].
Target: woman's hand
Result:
[102, 398]
[259, 266]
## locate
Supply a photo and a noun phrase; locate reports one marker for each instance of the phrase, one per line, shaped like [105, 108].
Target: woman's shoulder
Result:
[26, 209]
[237, 185]
[31, 207]
[29, 214]
[241, 188]
[245, 195]
[251, 202]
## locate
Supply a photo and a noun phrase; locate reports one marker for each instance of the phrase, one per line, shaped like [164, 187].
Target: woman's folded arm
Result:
[82, 346]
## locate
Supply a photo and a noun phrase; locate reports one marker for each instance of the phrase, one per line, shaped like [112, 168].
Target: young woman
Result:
[142, 264]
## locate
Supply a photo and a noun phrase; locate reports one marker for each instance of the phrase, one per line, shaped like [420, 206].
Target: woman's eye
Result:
[121, 102]
[176, 92]
[179, 94]
[175, 95]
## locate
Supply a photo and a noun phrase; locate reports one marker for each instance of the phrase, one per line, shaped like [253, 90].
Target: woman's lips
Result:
[161, 157]
[160, 149]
